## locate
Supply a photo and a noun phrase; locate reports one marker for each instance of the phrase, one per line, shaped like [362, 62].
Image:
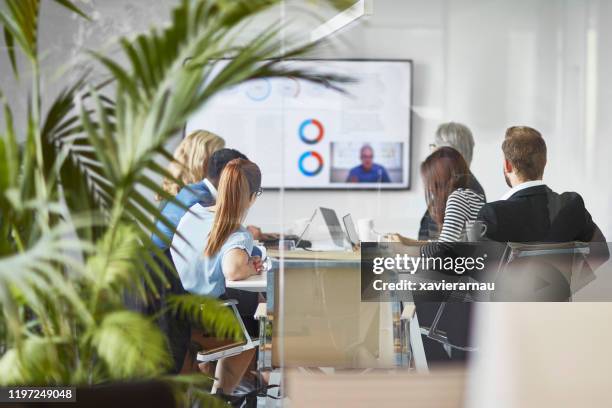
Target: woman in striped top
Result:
[449, 200]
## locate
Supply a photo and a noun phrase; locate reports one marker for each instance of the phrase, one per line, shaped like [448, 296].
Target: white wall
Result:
[489, 64]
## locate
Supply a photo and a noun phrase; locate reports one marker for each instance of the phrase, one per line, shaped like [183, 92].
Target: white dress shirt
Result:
[211, 188]
[522, 186]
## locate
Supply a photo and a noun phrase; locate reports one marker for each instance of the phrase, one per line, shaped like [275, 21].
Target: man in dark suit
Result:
[531, 211]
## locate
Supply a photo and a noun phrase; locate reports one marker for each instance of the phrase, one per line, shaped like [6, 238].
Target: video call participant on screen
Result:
[368, 171]
[530, 211]
[459, 137]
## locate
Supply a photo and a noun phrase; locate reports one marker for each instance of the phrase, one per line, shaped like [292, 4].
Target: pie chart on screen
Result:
[310, 163]
[290, 88]
[311, 131]
[259, 90]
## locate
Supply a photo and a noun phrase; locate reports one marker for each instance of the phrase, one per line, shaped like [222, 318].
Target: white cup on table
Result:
[365, 228]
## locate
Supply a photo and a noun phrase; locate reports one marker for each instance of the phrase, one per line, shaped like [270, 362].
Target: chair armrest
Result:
[229, 302]
[261, 311]
[408, 311]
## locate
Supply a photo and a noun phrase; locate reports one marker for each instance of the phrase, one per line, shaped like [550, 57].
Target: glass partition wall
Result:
[318, 319]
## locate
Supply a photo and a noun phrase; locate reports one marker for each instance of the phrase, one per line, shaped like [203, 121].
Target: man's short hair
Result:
[217, 163]
[525, 149]
[366, 146]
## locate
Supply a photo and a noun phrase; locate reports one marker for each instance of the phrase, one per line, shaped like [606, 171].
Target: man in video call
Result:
[368, 171]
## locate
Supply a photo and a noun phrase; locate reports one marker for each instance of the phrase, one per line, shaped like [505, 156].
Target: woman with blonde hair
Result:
[190, 167]
[191, 160]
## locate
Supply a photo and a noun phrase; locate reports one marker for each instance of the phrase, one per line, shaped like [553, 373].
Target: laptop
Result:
[351, 232]
[333, 225]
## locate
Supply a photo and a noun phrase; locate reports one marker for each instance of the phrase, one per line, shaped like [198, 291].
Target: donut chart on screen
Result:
[259, 90]
[311, 123]
[308, 169]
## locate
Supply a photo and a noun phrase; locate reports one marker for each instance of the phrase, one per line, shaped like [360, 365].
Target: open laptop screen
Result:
[333, 224]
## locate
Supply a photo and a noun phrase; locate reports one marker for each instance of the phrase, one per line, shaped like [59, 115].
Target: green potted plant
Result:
[74, 222]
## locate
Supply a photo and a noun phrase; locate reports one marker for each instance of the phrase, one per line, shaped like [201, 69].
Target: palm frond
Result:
[131, 346]
[157, 91]
[72, 7]
[9, 173]
[11, 370]
[20, 22]
[62, 277]
[34, 274]
[111, 267]
[208, 313]
[38, 362]
[189, 391]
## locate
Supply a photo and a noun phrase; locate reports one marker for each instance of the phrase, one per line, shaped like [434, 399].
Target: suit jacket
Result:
[538, 214]
[428, 228]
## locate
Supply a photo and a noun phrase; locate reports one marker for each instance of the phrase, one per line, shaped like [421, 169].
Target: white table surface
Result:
[255, 283]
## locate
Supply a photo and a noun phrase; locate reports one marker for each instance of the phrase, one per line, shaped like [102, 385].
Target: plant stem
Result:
[41, 184]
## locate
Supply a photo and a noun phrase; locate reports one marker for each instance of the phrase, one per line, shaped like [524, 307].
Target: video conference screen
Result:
[309, 136]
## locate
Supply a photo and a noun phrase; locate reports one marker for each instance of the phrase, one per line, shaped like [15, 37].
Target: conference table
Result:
[256, 283]
[259, 283]
[325, 322]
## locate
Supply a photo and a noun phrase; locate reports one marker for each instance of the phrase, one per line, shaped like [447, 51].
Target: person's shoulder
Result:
[457, 194]
[499, 204]
[240, 238]
[190, 223]
[571, 196]
[243, 233]
[493, 209]
[571, 201]
[463, 194]
[195, 214]
[193, 193]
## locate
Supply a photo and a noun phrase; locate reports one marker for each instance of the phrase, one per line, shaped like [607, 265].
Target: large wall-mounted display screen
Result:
[309, 136]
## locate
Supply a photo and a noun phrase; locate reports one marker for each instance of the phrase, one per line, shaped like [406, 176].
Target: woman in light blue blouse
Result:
[211, 246]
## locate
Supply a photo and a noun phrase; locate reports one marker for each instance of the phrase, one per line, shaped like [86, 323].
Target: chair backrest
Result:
[541, 271]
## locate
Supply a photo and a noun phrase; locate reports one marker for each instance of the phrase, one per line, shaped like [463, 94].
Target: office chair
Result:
[231, 349]
[411, 341]
[434, 332]
[550, 272]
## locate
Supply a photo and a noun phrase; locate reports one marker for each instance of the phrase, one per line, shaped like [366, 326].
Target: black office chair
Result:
[540, 272]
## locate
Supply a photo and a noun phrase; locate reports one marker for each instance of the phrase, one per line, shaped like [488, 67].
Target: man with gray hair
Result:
[459, 137]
